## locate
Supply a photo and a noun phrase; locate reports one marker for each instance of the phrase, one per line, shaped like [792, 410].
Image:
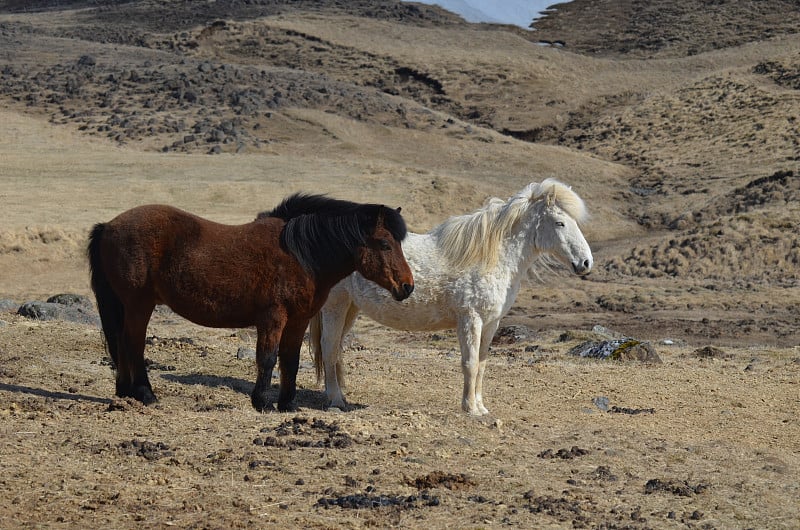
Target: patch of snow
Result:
[517, 12]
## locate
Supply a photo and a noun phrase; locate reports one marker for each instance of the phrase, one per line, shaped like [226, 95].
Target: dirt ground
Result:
[680, 129]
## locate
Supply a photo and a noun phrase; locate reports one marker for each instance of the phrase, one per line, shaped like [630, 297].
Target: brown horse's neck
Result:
[325, 281]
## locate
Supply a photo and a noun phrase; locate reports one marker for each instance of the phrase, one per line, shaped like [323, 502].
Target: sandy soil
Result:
[680, 129]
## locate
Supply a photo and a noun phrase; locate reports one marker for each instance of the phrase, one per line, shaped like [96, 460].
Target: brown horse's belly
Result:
[212, 314]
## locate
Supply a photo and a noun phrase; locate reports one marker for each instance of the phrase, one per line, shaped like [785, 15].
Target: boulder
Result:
[67, 307]
[710, 352]
[623, 349]
[8, 306]
[72, 300]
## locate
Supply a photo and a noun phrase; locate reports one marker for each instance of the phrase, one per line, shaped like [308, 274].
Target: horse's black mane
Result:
[320, 230]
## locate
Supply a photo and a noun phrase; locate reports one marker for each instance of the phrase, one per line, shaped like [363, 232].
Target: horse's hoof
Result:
[474, 411]
[143, 394]
[287, 407]
[470, 408]
[261, 403]
[340, 406]
[148, 398]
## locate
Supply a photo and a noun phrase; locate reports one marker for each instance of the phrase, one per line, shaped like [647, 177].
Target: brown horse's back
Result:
[213, 274]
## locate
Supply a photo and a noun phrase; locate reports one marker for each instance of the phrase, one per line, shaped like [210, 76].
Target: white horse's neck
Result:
[519, 252]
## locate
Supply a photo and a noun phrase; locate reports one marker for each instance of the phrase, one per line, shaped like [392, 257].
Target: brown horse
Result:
[273, 273]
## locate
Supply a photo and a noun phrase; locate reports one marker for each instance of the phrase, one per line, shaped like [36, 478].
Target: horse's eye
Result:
[560, 224]
[384, 244]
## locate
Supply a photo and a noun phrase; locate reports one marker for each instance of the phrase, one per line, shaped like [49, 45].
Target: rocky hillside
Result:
[701, 102]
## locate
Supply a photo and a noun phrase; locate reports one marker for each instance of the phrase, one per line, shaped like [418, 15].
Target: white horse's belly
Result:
[439, 299]
[410, 318]
[424, 310]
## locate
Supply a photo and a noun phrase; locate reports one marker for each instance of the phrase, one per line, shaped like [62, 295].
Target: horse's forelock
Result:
[565, 198]
[394, 223]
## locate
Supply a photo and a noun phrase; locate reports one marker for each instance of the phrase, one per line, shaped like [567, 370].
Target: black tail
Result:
[112, 312]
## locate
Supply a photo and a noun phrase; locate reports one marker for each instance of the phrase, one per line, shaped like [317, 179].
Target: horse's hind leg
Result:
[132, 380]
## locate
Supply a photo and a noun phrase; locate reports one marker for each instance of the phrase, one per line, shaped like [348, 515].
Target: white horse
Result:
[467, 273]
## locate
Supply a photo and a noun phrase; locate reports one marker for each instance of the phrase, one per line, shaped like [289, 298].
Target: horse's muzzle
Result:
[403, 292]
[582, 268]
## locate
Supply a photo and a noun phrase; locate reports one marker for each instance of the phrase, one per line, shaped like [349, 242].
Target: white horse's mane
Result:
[475, 239]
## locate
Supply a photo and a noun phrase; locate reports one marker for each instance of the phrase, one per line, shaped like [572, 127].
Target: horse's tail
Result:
[315, 337]
[112, 312]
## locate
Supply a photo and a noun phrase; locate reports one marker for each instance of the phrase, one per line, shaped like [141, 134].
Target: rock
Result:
[641, 351]
[69, 299]
[39, 310]
[87, 60]
[710, 352]
[601, 402]
[245, 353]
[605, 333]
[624, 349]
[513, 334]
[8, 306]
[54, 311]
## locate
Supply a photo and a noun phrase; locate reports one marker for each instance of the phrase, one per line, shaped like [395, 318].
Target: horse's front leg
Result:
[289, 358]
[469, 336]
[267, 343]
[335, 325]
[331, 359]
[486, 340]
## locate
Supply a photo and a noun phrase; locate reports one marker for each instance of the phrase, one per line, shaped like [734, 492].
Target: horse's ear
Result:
[399, 209]
[551, 196]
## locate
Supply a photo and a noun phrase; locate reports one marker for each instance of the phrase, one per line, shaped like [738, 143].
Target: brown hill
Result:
[699, 115]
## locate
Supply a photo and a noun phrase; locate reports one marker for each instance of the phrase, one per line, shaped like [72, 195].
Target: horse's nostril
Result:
[408, 289]
[582, 267]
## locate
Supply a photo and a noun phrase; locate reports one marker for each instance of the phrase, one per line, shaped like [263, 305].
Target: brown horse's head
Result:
[381, 258]
[332, 236]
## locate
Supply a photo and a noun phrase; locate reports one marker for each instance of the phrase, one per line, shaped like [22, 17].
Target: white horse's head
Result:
[546, 214]
[556, 231]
